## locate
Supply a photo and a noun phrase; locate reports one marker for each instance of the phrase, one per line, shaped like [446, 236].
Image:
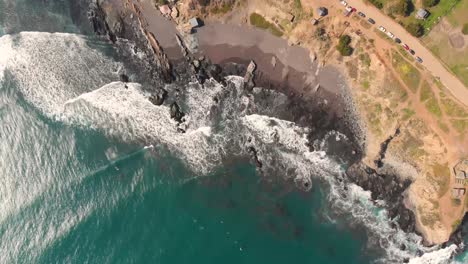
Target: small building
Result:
[422, 13]
[458, 192]
[165, 10]
[195, 22]
[314, 21]
[322, 11]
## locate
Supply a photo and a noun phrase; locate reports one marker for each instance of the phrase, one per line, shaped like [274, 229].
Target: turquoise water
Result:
[140, 207]
[73, 194]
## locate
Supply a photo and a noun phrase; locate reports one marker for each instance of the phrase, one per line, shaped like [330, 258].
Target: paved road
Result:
[432, 64]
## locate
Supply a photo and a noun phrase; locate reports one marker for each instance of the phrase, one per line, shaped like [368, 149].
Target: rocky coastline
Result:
[121, 24]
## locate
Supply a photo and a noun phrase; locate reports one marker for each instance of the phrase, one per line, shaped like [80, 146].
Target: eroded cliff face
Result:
[409, 169]
[391, 93]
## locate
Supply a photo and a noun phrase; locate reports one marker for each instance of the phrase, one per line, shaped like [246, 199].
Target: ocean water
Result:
[91, 172]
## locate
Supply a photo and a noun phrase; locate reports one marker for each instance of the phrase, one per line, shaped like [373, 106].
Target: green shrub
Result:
[415, 29]
[260, 22]
[343, 46]
[376, 3]
[465, 29]
[430, 3]
[401, 7]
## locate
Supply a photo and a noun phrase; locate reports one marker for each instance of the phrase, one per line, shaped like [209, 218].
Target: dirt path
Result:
[430, 62]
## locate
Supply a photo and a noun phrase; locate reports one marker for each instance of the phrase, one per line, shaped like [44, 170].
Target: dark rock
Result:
[254, 154]
[461, 233]
[214, 71]
[389, 188]
[403, 247]
[159, 98]
[123, 77]
[176, 114]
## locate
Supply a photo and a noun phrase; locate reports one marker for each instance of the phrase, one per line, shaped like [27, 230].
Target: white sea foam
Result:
[441, 256]
[58, 73]
[53, 68]
[123, 110]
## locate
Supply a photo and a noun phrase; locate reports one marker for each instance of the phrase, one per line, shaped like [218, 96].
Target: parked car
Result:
[370, 20]
[344, 3]
[390, 35]
[382, 29]
[412, 52]
[397, 40]
[419, 60]
[361, 14]
[405, 46]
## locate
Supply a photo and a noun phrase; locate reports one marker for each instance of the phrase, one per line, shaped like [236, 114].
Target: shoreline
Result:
[224, 53]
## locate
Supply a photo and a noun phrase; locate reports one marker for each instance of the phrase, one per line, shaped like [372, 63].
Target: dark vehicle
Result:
[370, 20]
[419, 60]
[412, 52]
[361, 14]
[397, 40]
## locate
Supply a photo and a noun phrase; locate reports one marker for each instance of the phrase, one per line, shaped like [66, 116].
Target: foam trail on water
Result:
[51, 68]
[60, 75]
[123, 110]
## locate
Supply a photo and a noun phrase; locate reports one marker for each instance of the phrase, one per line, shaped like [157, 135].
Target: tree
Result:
[415, 29]
[401, 7]
[343, 46]
[465, 29]
[430, 3]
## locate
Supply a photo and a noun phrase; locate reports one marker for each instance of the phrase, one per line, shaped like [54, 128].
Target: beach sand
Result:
[279, 65]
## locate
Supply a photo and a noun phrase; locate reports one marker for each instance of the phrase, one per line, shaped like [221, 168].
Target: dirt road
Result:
[430, 62]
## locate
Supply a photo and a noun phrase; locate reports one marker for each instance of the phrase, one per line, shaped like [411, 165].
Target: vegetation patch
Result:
[260, 22]
[460, 125]
[223, 9]
[452, 108]
[410, 75]
[465, 29]
[374, 117]
[365, 59]
[441, 177]
[352, 69]
[433, 106]
[407, 113]
[377, 3]
[343, 45]
[426, 92]
[415, 29]
[428, 218]
[461, 70]
[365, 85]
[443, 126]
[456, 202]
[413, 146]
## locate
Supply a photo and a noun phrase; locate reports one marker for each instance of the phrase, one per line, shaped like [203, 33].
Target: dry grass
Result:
[410, 75]
[440, 176]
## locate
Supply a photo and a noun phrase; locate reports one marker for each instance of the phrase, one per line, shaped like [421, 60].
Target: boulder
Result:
[175, 112]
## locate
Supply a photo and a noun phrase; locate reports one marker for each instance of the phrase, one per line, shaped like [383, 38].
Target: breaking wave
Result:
[68, 81]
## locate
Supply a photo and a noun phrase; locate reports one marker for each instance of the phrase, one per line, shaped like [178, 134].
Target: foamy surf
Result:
[66, 80]
[51, 68]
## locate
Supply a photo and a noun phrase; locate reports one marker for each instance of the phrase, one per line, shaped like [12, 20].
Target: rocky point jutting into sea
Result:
[288, 135]
[127, 138]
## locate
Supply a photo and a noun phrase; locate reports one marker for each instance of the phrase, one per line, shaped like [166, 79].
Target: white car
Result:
[390, 35]
[382, 29]
[344, 3]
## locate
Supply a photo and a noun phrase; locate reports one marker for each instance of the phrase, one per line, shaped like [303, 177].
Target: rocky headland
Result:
[314, 103]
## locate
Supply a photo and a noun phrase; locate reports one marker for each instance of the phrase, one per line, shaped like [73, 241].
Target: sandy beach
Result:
[284, 66]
